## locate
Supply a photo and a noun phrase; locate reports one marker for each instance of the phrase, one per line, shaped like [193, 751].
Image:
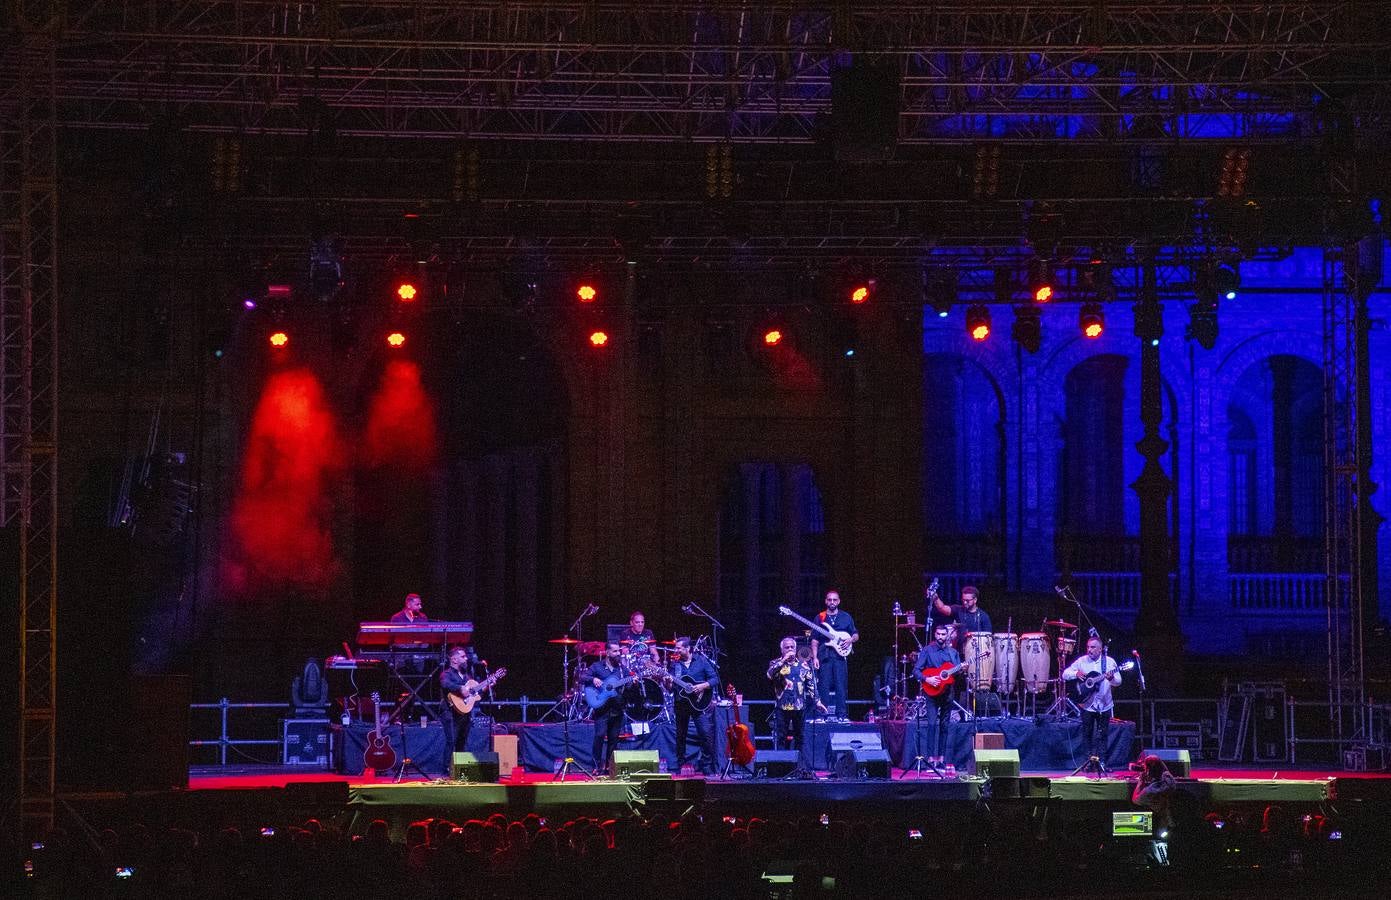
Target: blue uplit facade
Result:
[1029, 458]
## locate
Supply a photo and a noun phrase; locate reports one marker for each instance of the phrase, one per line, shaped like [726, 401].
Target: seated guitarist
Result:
[939, 652]
[1096, 709]
[701, 672]
[458, 673]
[608, 719]
[832, 673]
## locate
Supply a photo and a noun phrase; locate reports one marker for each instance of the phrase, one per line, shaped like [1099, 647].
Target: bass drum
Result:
[979, 651]
[1034, 660]
[1006, 661]
[644, 700]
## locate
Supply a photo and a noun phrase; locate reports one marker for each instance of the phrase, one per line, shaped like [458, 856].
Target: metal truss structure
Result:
[28, 399]
[721, 70]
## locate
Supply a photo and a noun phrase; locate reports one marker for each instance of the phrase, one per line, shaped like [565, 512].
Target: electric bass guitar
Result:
[468, 696]
[839, 641]
[698, 701]
[378, 755]
[1088, 682]
[738, 745]
[598, 697]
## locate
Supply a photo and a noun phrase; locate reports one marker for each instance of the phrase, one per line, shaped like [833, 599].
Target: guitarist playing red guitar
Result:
[938, 664]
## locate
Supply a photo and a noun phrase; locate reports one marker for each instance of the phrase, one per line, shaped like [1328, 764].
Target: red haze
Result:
[281, 516]
[401, 423]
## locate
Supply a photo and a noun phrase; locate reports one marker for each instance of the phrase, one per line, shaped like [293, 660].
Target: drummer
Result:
[637, 635]
[967, 615]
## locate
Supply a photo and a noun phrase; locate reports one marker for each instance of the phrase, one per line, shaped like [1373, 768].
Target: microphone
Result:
[1060, 590]
[1135, 653]
[592, 610]
[687, 610]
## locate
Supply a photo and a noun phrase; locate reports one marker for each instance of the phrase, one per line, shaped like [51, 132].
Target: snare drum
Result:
[979, 651]
[1006, 661]
[1033, 661]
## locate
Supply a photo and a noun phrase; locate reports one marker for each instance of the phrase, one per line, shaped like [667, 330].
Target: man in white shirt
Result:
[1098, 674]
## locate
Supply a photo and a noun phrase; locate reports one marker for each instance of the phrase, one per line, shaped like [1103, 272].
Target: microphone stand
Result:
[569, 765]
[693, 609]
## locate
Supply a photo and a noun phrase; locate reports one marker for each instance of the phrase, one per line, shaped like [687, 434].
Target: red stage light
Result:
[396, 339]
[586, 293]
[772, 337]
[598, 338]
[406, 291]
[279, 339]
[859, 295]
[980, 332]
[1043, 293]
[1093, 330]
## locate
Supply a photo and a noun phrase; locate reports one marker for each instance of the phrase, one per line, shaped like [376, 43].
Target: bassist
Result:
[608, 717]
[458, 673]
[699, 677]
[833, 675]
[939, 652]
[1096, 709]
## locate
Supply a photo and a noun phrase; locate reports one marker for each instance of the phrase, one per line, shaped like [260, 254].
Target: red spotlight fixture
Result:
[978, 322]
[861, 293]
[587, 293]
[396, 339]
[1091, 320]
[772, 337]
[279, 339]
[1043, 293]
[406, 291]
[598, 338]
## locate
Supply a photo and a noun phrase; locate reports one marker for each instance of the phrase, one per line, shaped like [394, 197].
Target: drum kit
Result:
[1003, 662]
[646, 699]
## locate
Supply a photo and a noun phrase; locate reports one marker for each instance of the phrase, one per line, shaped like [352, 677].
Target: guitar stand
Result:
[1093, 765]
[730, 768]
[920, 763]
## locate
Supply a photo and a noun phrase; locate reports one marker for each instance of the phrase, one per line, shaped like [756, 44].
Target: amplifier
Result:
[307, 742]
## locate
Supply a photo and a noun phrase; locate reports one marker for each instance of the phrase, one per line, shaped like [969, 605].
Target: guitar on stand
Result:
[839, 641]
[378, 757]
[738, 745]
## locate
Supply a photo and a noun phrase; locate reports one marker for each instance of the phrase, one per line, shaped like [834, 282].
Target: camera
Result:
[267, 831]
[915, 834]
[124, 871]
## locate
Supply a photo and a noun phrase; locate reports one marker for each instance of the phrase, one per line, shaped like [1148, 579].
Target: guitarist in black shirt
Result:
[694, 678]
[608, 717]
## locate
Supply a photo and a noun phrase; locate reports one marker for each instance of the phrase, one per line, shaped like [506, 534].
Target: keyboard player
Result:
[410, 612]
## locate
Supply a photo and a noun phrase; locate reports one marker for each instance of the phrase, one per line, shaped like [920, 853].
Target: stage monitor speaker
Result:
[995, 763]
[475, 767]
[1177, 761]
[627, 763]
[860, 764]
[864, 111]
[856, 740]
[774, 763]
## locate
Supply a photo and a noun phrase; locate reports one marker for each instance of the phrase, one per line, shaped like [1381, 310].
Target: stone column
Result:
[1156, 625]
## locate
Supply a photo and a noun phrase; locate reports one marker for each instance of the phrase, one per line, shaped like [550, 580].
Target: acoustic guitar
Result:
[468, 696]
[598, 697]
[378, 755]
[947, 674]
[738, 744]
[1088, 682]
[698, 701]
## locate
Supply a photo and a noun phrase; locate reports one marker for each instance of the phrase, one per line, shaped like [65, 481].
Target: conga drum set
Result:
[1021, 666]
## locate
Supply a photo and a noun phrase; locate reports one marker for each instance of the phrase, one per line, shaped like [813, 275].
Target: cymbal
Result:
[564, 640]
[1057, 623]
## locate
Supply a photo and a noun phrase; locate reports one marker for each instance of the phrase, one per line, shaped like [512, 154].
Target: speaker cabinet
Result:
[864, 111]
[159, 711]
[995, 763]
[861, 764]
[627, 763]
[774, 763]
[1177, 761]
[474, 767]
